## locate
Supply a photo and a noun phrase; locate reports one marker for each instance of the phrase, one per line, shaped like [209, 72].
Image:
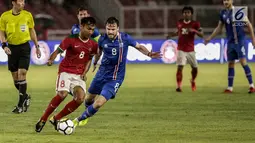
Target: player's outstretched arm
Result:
[97, 57]
[53, 57]
[251, 31]
[216, 31]
[172, 34]
[144, 50]
[199, 32]
[87, 67]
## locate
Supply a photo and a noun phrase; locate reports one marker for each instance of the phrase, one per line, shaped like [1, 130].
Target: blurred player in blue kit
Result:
[111, 73]
[81, 13]
[236, 41]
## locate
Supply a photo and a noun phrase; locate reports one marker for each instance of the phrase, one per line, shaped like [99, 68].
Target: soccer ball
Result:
[65, 126]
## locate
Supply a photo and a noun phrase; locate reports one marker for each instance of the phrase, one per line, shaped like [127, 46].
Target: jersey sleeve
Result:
[94, 50]
[31, 22]
[198, 26]
[2, 24]
[221, 16]
[131, 41]
[65, 44]
[100, 41]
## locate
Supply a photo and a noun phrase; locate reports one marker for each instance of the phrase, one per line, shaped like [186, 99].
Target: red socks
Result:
[69, 108]
[179, 78]
[51, 107]
[194, 73]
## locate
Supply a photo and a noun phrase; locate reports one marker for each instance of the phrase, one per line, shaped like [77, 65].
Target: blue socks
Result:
[247, 71]
[87, 104]
[231, 74]
[90, 111]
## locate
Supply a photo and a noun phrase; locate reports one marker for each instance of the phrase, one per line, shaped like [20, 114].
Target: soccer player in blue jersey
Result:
[111, 72]
[236, 42]
[81, 13]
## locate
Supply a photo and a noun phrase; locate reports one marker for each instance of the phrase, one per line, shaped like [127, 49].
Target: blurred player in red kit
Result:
[187, 29]
[72, 71]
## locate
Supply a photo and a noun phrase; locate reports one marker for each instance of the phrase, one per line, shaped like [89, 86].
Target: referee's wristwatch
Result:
[38, 46]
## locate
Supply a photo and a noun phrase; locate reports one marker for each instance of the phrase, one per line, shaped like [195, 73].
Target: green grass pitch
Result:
[146, 110]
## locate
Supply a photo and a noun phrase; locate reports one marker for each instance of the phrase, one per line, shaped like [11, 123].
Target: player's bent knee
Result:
[90, 97]
[63, 94]
[243, 61]
[80, 98]
[15, 76]
[101, 100]
[79, 94]
[22, 74]
[231, 64]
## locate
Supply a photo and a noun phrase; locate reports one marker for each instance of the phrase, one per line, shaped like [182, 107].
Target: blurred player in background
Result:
[111, 72]
[236, 43]
[72, 71]
[187, 29]
[17, 28]
[81, 13]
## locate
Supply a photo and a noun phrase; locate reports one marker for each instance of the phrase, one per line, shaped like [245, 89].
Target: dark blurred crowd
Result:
[181, 2]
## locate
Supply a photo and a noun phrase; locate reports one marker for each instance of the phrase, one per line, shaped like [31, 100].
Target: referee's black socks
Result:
[16, 83]
[22, 92]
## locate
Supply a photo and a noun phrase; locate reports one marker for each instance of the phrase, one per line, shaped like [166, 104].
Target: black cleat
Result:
[26, 103]
[39, 126]
[17, 110]
[54, 122]
[178, 90]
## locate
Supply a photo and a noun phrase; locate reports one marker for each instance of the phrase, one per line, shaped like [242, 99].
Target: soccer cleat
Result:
[178, 89]
[251, 90]
[193, 85]
[17, 110]
[39, 126]
[228, 91]
[26, 103]
[76, 122]
[54, 122]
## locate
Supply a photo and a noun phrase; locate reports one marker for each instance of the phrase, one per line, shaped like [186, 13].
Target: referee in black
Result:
[17, 29]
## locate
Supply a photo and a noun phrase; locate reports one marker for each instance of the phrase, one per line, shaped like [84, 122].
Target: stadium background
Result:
[149, 21]
[147, 108]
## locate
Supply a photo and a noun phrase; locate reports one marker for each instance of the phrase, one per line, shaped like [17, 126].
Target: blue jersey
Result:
[76, 30]
[234, 29]
[113, 63]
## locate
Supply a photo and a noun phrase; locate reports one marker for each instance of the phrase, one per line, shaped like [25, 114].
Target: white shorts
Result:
[186, 57]
[67, 82]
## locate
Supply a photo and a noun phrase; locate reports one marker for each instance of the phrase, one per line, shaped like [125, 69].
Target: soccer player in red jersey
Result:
[187, 29]
[72, 71]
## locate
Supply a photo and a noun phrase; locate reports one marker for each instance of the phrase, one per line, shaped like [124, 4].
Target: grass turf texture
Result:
[146, 109]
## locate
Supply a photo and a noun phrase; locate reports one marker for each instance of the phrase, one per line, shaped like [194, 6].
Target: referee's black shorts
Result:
[20, 57]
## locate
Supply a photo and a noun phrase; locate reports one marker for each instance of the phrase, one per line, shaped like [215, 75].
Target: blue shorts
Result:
[235, 51]
[106, 88]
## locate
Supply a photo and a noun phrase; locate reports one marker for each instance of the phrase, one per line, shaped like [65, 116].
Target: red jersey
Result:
[186, 38]
[78, 52]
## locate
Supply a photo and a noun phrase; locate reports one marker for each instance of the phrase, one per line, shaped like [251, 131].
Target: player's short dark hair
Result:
[186, 8]
[14, 0]
[112, 20]
[81, 9]
[88, 21]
